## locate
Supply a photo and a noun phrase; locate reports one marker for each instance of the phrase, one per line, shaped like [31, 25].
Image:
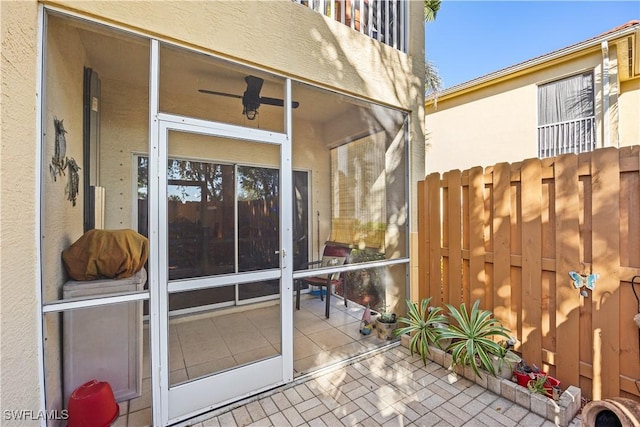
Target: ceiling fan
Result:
[251, 99]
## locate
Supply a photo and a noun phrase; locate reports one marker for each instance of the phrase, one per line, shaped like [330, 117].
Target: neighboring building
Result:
[238, 136]
[575, 99]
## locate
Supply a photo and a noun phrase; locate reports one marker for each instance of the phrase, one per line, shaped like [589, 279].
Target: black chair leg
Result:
[326, 311]
[297, 284]
[344, 291]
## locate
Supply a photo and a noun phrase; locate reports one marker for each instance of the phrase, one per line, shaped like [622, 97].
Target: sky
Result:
[470, 39]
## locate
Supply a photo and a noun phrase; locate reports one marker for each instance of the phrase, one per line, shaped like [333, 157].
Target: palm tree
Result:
[431, 8]
[432, 81]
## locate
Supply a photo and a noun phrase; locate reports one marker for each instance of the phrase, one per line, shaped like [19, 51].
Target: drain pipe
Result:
[605, 94]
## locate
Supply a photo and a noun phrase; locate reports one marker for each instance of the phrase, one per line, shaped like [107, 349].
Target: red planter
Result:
[523, 380]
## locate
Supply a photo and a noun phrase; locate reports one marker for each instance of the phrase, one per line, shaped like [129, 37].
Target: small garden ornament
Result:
[584, 281]
[366, 324]
[59, 159]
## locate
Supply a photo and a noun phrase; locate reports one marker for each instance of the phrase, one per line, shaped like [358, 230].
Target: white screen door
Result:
[224, 233]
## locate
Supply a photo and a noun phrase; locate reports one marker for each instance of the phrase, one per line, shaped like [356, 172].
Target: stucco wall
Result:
[62, 222]
[18, 211]
[498, 123]
[629, 112]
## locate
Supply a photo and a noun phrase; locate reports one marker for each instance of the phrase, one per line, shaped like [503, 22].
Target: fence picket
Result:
[477, 277]
[531, 196]
[435, 242]
[423, 241]
[499, 298]
[567, 211]
[606, 262]
[454, 231]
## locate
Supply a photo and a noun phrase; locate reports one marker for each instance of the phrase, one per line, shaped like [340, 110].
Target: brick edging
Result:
[560, 412]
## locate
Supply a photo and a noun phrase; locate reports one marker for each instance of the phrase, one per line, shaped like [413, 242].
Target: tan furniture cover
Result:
[111, 254]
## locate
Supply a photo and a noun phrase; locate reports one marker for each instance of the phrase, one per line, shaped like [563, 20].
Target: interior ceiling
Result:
[124, 57]
[184, 73]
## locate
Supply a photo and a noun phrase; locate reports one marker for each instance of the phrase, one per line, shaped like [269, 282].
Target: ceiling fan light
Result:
[250, 113]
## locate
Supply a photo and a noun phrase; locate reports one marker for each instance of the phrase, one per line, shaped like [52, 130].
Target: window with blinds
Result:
[358, 184]
[566, 116]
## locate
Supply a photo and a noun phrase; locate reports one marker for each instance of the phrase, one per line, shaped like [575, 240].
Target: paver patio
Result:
[388, 388]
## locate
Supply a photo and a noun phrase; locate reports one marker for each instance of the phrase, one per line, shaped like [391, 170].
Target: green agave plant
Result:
[471, 341]
[423, 325]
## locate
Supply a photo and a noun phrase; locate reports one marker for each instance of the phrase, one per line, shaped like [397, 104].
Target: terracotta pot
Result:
[626, 411]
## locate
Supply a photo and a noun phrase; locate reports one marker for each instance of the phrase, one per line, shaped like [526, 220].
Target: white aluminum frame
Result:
[183, 401]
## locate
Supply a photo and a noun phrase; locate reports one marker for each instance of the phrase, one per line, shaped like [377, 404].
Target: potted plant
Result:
[424, 325]
[471, 337]
[545, 385]
[386, 324]
[523, 373]
[536, 385]
[536, 381]
[506, 360]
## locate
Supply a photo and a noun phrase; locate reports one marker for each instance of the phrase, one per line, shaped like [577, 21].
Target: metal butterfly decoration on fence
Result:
[581, 281]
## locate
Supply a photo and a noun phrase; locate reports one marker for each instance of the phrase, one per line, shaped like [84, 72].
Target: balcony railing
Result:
[382, 20]
[571, 136]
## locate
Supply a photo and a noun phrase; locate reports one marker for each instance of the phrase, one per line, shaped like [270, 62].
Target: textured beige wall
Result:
[497, 123]
[62, 222]
[629, 112]
[19, 307]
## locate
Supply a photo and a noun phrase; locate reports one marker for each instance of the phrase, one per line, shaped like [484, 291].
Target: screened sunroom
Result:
[236, 180]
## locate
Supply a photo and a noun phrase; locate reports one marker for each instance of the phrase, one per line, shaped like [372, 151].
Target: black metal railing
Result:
[382, 20]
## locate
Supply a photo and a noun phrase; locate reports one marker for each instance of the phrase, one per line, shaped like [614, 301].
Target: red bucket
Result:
[92, 405]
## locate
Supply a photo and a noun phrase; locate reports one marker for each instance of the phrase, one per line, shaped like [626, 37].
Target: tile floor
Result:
[203, 343]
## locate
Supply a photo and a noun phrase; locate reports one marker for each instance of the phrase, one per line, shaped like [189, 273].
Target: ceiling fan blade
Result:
[277, 102]
[211, 92]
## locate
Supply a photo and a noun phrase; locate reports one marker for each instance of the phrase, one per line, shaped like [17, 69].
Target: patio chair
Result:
[332, 256]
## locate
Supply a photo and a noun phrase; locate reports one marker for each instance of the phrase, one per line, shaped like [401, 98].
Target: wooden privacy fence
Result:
[509, 235]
